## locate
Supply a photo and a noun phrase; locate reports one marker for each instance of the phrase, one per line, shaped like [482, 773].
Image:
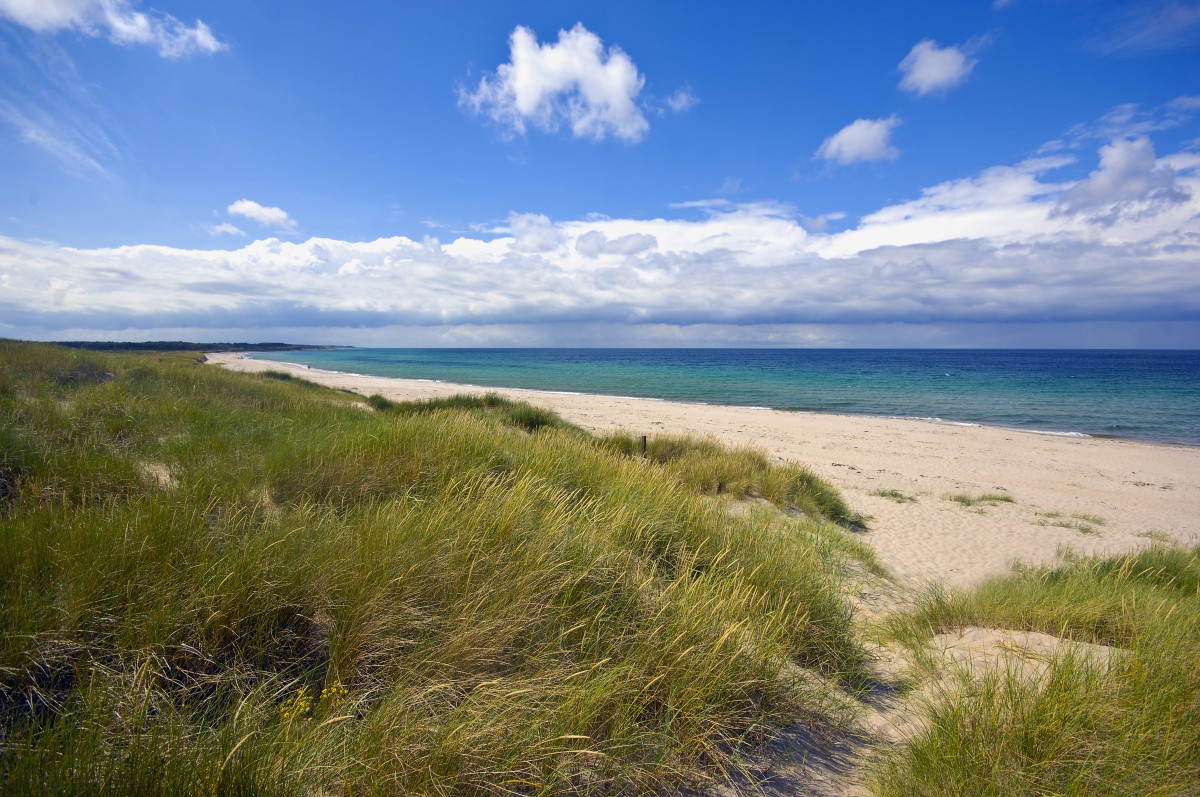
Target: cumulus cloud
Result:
[1006, 246]
[821, 223]
[270, 217]
[930, 69]
[595, 243]
[985, 249]
[1129, 182]
[573, 81]
[591, 244]
[224, 228]
[119, 20]
[533, 232]
[861, 140]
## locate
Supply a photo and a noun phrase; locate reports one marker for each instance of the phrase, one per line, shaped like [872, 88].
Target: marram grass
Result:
[214, 583]
[1123, 724]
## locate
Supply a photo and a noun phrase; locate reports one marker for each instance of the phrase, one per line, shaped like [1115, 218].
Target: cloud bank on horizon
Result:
[1006, 246]
[1092, 236]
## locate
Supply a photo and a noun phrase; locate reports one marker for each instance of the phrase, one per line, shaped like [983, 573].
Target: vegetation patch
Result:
[469, 599]
[1082, 522]
[896, 495]
[284, 376]
[519, 414]
[704, 465]
[978, 502]
[1119, 724]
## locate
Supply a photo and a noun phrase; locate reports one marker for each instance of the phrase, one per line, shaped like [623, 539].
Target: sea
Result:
[1151, 396]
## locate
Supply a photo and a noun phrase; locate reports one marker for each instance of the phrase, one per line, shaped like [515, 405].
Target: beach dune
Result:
[918, 481]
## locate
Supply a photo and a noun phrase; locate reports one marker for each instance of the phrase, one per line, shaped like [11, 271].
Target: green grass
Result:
[491, 601]
[519, 414]
[284, 376]
[1082, 522]
[705, 466]
[1128, 727]
[979, 501]
[895, 495]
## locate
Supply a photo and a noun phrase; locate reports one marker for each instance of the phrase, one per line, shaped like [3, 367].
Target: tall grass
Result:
[1126, 724]
[706, 466]
[520, 414]
[220, 583]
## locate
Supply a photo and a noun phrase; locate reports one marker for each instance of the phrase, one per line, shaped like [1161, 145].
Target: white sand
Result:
[1136, 490]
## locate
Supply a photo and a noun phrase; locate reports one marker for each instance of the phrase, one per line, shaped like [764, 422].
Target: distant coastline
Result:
[183, 345]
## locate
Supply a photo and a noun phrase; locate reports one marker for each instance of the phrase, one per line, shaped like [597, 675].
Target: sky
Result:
[1016, 173]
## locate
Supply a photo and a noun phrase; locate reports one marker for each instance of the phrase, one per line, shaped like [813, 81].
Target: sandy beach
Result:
[1086, 494]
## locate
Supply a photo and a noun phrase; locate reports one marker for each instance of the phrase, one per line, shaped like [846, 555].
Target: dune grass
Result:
[1082, 522]
[519, 414]
[895, 495]
[1123, 725]
[232, 584]
[977, 502]
[706, 466]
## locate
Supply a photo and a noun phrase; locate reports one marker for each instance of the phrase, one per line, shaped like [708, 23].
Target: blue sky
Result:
[1020, 173]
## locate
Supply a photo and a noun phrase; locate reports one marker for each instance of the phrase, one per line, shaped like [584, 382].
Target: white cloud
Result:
[275, 218]
[591, 244]
[574, 81]
[533, 232]
[703, 204]
[682, 100]
[595, 243]
[821, 223]
[1130, 181]
[1012, 206]
[973, 257]
[861, 140]
[224, 228]
[929, 69]
[117, 19]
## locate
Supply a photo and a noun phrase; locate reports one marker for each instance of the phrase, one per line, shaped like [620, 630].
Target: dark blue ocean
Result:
[1136, 395]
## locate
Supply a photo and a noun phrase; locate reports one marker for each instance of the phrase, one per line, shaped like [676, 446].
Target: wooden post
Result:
[643, 446]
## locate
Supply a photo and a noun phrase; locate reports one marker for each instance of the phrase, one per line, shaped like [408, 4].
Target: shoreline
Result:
[1072, 433]
[1090, 494]
[301, 368]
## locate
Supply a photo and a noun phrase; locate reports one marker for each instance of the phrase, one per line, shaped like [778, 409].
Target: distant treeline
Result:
[183, 345]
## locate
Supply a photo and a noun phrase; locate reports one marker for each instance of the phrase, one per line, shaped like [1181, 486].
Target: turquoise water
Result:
[1138, 395]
